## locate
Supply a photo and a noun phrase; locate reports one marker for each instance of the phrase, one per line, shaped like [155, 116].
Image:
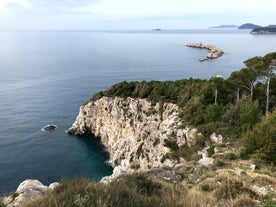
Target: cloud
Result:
[175, 7]
[63, 13]
[8, 6]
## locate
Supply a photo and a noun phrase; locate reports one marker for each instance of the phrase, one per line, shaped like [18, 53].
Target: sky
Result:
[133, 14]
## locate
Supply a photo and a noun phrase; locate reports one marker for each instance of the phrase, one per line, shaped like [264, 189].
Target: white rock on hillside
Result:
[27, 190]
[218, 139]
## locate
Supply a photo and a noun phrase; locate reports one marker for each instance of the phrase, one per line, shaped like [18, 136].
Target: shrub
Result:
[230, 156]
[14, 194]
[134, 190]
[218, 163]
[269, 201]
[1, 203]
[213, 113]
[211, 150]
[243, 154]
[262, 140]
[230, 188]
[171, 144]
[244, 201]
[206, 188]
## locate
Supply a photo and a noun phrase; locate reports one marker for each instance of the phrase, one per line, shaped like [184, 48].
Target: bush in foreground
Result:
[139, 190]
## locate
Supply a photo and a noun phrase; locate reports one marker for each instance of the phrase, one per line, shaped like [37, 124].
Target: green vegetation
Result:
[148, 190]
[1, 203]
[233, 107]
[133, 190]
[261, 140]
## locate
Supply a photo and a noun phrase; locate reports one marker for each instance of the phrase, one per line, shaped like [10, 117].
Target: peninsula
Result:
[188, 142]
[214, 52]
[271, 29]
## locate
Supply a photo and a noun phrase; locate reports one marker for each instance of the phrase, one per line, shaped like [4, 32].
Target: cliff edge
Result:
[134, 131]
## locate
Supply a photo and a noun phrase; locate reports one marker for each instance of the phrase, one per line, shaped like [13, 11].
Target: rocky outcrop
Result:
[214, 52]
[49, 127]
[27, 190]
[217, 139]
[133, 131]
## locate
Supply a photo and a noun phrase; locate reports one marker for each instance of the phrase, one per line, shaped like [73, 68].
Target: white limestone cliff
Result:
[133, 131]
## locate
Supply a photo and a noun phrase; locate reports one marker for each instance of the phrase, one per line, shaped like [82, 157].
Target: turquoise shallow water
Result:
[46, 75]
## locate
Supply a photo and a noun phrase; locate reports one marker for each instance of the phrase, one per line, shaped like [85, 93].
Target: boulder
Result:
[27, 190]
[49, 127]
[217, 139]
[206, 161]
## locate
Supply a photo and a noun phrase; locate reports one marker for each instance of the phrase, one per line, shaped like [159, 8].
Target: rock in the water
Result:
[214, 52]
[49, 127]
[26, 190]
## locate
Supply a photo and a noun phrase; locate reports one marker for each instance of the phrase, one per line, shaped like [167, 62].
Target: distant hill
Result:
[249, 26]
[225, 26]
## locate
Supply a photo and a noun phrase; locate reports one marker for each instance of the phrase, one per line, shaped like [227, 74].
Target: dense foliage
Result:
[230, 106]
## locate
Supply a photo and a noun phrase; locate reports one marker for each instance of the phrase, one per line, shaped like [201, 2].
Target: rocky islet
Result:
[214, 52]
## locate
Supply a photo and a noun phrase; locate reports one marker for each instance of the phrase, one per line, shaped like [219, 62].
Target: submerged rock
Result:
[49, 127]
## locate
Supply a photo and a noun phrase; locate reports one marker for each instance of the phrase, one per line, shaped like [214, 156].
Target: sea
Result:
[45, 76]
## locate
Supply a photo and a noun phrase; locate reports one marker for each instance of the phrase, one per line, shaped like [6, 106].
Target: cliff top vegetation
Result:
[233, 107]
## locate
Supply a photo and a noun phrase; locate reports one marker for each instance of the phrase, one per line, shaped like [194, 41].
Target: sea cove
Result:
[47, 75]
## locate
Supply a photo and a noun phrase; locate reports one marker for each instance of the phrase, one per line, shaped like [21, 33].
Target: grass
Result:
[140, 190]
[134, 190]
[1, 203]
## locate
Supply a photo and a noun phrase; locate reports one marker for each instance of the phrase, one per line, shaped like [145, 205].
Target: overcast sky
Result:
[133, 14]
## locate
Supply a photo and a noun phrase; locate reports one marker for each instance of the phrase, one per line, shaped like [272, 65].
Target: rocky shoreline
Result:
[134, 132]
[214, 52]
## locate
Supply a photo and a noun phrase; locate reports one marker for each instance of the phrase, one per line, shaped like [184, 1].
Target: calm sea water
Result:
[46, 75]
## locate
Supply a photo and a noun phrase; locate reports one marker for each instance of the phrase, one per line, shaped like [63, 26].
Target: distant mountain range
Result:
[256, 29]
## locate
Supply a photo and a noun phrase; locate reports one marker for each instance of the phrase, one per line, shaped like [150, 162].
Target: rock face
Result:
[214, 52]
[27, 190]
[133, 131]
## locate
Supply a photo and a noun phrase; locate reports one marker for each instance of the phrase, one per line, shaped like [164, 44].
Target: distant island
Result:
[255, 29]
[157, 29]
[225, 26]
[271, 29]
[249, 26]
